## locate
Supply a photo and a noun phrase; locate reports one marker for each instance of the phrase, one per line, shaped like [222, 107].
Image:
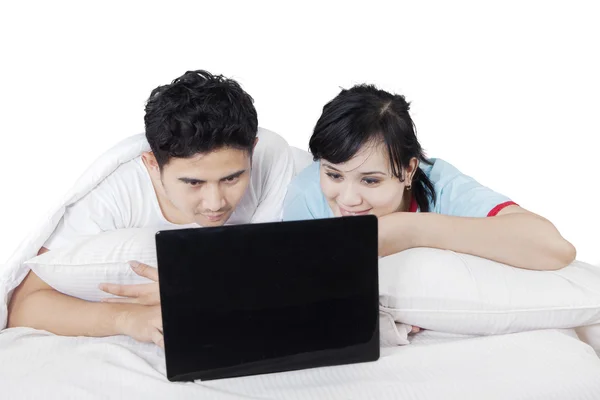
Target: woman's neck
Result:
[407, 197]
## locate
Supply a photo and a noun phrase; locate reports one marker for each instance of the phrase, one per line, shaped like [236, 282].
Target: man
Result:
[207, 167]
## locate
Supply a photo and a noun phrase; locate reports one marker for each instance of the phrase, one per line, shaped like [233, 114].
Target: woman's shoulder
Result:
[306, 184]
[307, 178]
[439, 171]
[458, 194]
[304, 199]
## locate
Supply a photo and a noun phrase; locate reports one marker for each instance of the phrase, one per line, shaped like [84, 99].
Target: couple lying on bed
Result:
[208, 166]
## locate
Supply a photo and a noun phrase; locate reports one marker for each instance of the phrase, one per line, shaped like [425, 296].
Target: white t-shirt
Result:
[126, 198]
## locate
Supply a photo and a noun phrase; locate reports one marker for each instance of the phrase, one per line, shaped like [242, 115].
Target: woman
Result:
[369, 161]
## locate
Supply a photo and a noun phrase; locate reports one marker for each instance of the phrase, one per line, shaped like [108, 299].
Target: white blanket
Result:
[535, 365]
[13, 272]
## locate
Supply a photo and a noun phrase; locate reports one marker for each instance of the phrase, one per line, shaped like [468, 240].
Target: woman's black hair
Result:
[197, 113]
[365, 114]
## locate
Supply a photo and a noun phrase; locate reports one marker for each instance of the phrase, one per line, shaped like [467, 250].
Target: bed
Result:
[548, 364]
[530, 364]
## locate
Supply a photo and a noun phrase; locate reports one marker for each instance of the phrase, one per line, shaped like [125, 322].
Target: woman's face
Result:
[365, 184]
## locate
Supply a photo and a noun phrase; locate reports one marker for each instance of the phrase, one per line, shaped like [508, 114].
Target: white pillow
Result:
[429, 288]
[459, 293]
[78, 270]
[591, 335]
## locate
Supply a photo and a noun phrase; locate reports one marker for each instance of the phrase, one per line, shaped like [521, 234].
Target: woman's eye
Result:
[371, 181]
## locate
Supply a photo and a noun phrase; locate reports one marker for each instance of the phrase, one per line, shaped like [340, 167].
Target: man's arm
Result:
[37, 305]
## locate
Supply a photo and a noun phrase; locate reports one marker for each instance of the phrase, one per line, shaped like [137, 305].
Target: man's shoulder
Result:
[121, 200]
[269, 142]
[272, 160]
[128, 187]
[271, 150]
[128, 176]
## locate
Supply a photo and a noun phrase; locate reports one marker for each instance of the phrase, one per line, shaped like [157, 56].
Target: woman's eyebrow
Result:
[331, 167]
[362, 173]
[373, 173]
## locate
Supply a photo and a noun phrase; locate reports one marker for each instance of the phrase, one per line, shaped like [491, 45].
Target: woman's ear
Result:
[411, 170]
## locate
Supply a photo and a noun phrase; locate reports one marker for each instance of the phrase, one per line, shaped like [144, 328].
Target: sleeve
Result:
[279, 174]
[463, 196]
[88, 216]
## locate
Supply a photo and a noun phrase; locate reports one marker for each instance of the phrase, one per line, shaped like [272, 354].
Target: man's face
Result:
[207, 187]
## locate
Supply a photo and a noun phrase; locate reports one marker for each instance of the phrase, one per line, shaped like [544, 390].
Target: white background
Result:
[509, 92]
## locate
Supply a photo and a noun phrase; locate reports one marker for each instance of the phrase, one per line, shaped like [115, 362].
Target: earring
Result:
[408, 187]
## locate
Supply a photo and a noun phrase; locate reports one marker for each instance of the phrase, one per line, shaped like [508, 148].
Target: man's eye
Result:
[232, 179]
[194, 183]
[334, 176]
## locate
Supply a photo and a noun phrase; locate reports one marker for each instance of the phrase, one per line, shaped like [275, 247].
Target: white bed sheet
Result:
[547, 365]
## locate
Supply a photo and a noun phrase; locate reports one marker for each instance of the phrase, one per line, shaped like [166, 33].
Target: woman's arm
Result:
[515, 237]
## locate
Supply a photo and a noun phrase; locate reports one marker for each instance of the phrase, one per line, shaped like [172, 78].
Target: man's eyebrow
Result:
[194, 180]
[234, 175]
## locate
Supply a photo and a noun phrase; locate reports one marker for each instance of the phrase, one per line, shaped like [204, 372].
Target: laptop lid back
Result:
[260, 298]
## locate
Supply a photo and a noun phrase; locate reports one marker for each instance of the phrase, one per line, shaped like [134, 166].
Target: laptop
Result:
[262, 298]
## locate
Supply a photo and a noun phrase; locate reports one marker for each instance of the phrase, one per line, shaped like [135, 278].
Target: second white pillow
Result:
[459, 293]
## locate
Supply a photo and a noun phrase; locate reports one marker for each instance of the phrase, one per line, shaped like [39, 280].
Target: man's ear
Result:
[150, 161]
